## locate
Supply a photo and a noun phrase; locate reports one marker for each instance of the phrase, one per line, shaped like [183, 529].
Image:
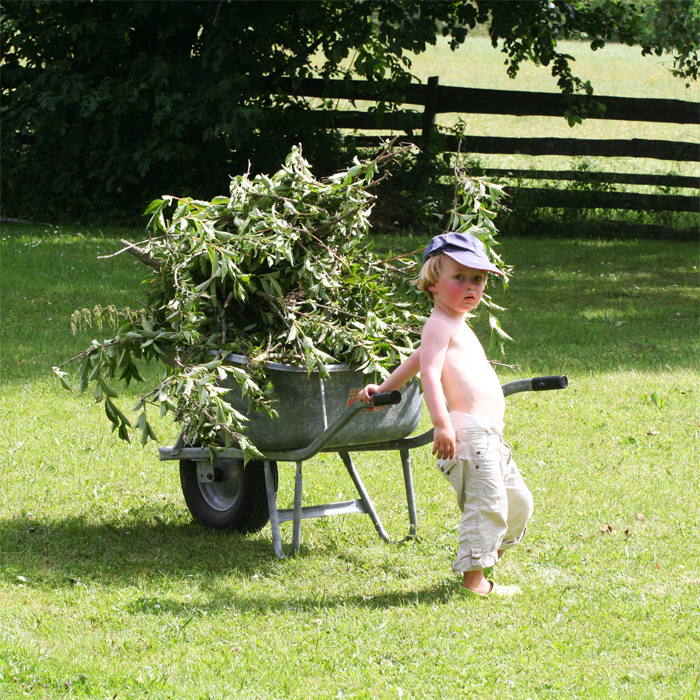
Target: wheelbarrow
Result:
[314, 416]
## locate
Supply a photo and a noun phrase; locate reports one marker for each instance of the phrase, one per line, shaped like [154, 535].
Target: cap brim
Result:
[474, 261]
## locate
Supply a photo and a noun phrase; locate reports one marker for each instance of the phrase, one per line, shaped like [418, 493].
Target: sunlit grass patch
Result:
[108, 587]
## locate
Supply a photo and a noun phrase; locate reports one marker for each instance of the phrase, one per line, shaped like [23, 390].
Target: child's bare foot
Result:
[494, 589]
[475, 583]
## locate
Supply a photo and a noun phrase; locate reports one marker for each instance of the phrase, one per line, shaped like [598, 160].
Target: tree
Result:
[109, 104]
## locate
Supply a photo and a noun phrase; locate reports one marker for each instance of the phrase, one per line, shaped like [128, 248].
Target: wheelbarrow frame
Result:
[320, 444]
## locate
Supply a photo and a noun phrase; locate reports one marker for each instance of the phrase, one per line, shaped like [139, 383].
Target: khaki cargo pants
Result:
[494, 500]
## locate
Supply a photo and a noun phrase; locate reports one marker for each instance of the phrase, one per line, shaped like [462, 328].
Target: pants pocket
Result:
[477, 448]
[446, 465]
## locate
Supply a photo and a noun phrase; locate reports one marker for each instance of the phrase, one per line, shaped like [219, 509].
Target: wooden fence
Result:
[435, 99]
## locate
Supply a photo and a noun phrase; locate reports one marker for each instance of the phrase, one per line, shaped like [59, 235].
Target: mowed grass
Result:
[109, 590]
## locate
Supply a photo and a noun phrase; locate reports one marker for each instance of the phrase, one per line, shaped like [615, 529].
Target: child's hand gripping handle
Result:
[386, 398]
[559, 381]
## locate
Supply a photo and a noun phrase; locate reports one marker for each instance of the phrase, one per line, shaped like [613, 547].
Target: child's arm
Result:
[402, 374]
[435, 341]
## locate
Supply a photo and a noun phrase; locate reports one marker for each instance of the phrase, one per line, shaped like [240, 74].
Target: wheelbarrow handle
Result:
[386, 398]
[559, 381]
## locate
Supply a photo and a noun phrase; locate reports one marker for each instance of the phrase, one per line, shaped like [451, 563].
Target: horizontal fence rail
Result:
[630, 148]
[679, 181]
[442, 99]
[579, 199]
[438, 99]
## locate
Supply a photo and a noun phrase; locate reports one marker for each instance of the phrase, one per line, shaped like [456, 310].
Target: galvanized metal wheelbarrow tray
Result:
[315, 416]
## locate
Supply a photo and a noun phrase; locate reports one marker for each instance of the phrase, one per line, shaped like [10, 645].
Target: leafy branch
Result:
[283, 268]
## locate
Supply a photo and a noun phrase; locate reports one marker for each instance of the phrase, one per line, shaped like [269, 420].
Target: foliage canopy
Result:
[109, 104]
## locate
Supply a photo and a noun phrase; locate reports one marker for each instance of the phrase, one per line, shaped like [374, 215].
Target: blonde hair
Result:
[431, 272]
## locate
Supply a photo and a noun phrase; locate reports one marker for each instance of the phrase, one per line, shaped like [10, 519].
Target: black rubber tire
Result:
[235, 500]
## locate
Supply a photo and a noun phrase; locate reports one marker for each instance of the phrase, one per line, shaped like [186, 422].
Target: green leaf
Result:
[108, 390]
[63, 377]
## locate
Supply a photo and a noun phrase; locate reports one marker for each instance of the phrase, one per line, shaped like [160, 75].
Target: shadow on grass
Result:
[266, 604]
[74, 552]
[54, 552]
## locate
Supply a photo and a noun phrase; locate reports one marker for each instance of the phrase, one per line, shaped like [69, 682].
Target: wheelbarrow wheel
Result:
[236, 499]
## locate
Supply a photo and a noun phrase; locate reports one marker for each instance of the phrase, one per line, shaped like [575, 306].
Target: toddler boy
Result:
[466, 405]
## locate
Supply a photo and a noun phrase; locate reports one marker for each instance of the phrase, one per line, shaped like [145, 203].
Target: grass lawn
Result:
[109, 590]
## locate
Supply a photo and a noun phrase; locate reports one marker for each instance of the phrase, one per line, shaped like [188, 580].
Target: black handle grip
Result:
[386, 398]
[546, 383]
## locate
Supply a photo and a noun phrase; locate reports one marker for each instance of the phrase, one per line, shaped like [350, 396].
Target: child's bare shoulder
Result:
[442, 324]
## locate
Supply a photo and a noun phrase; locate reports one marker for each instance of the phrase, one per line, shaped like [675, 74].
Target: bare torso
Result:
[469, 382]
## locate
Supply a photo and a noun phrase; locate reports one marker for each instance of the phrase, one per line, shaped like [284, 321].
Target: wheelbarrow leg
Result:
[410, 496]
[364, 496]
[296, 525]
[274, 515]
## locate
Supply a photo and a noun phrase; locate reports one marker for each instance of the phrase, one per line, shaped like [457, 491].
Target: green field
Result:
[108, 589]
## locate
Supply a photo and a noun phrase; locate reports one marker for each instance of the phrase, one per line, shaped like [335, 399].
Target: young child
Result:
[466, 405]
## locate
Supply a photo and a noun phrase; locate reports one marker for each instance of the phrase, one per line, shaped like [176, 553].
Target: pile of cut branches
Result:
[283, 270]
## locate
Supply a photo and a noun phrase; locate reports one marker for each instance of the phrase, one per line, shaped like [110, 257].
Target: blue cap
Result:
[464, 248]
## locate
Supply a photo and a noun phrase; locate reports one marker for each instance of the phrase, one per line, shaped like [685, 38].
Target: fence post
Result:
[430, 107]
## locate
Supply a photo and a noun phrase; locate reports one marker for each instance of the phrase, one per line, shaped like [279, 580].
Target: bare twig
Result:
[137, 252]
[406, 255]
[26, 221]
[502, 364]
[265, 355]
[92, 349]
[222, 320]
[216, 16]
[229, 298]
[272, 301]
[222, 315]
